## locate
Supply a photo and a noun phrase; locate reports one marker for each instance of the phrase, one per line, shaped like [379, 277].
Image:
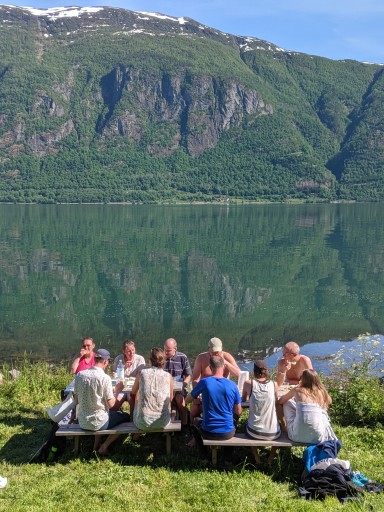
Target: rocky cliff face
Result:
[39, 143]
[89, 95]
[194, 110]
[191, 112]
[160, 111]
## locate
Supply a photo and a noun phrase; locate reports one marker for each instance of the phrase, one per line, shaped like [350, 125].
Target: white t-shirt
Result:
[137, 365]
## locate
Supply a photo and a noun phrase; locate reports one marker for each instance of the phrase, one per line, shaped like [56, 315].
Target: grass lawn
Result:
[139, 476]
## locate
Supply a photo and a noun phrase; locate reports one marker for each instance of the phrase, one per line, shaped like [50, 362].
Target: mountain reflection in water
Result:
[255, 276]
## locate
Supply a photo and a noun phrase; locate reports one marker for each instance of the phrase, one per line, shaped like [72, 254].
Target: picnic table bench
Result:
[242, 440]
[74, 430]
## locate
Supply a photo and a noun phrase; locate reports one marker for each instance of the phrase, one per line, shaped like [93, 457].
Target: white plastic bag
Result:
[58, 412]
[243, 376]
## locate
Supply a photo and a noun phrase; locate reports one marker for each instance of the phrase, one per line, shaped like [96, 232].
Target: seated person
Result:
[94, 396]
[153, 390]
[262, 393]
[202, 369]
[221, 403]
[133, 363]
[292, 364]
[305, 411]
[85, 358]
[177, 364]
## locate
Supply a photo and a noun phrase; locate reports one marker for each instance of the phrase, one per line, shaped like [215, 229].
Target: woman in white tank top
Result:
[262, 420]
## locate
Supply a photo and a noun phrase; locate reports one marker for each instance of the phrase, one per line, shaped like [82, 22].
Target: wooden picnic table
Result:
[284, 388]
[75, 431]
[177, 385]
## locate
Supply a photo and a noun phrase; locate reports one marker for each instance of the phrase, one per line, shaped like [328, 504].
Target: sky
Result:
[337, 29]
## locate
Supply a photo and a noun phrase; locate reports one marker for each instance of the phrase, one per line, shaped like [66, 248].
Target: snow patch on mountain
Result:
[181, 21]
[62, 12]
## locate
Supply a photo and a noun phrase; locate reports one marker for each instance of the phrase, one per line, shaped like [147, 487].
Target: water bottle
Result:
[120, 371]
[52, 454]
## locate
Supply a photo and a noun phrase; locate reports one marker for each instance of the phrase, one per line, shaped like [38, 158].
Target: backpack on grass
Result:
[332, 481]
[53, 447]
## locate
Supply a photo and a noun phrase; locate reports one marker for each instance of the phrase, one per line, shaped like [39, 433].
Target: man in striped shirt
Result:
[178, 366]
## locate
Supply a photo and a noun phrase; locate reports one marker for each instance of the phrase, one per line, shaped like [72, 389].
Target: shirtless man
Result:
[202, 369]
[292, 364]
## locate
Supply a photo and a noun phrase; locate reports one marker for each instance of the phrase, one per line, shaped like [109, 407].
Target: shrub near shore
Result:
[139, 476]
[356, 384]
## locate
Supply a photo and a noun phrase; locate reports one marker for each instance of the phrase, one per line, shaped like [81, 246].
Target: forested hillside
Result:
[103, 104]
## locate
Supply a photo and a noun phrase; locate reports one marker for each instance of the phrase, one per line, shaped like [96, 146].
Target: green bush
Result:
[359, 401]
[356, 389]
[37, 385]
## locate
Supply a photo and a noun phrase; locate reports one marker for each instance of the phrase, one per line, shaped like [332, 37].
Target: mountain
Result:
[106, 104]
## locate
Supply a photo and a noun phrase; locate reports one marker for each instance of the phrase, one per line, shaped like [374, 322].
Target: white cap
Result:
[215, 345]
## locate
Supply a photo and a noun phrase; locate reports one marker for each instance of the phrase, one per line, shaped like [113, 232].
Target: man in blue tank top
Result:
[221, 402]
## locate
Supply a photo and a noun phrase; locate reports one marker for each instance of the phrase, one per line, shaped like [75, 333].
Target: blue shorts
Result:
[115, 418]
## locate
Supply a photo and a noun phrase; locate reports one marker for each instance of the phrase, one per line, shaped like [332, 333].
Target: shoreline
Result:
[324, 355]
[223, 202]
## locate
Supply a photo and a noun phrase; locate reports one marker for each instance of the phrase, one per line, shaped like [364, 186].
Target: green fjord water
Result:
[255, 276]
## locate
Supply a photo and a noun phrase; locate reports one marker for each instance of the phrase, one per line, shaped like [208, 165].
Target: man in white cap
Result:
[201, 369]
[94, 394]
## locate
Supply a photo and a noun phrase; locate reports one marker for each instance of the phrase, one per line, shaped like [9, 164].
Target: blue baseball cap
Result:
[102, 352]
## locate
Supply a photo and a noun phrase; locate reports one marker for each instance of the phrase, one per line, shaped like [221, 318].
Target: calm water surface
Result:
[255, 276]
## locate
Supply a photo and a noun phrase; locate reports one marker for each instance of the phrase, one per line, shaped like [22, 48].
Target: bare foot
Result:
[192, 443]
[103, 452]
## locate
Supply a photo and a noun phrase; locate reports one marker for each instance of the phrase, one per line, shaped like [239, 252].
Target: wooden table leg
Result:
[256, 455]
[272, 454]
[77, 445]
[168, 443]
[214, 455]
